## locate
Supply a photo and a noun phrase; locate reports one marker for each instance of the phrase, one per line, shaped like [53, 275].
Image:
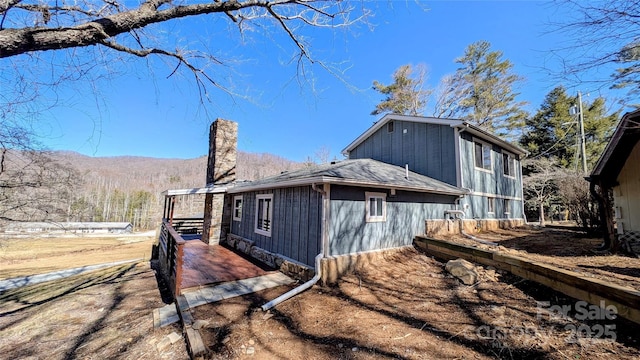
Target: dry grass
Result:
[105, 314]
[30, 256]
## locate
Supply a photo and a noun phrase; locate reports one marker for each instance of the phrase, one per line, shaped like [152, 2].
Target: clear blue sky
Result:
[139, 112]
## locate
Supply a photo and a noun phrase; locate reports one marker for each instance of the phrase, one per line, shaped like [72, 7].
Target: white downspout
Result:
[297, 290]
[316, 277]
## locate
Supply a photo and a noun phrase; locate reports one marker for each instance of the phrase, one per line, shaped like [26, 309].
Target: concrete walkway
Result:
[56, 275]
[168, 314]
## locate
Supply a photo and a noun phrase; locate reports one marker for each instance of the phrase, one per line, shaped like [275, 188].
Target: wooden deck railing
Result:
[188, 226]
[170, 256]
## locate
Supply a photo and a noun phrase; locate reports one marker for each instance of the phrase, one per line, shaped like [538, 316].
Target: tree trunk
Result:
[541, 213]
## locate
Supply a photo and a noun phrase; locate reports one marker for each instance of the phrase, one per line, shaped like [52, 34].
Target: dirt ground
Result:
[30, 256]
[105, 314]
[408, 307]
[564, 247]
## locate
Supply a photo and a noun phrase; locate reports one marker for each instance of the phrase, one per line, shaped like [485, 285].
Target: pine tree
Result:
[406, 95]
[482, 90]
[553, 132]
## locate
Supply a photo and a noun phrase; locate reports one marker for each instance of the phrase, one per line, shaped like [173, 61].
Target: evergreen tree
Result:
[554, 133]
[482, 90]
[406, 95]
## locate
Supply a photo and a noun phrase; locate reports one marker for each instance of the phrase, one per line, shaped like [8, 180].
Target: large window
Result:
[376, 207]
[264, 211]
[508, 165]
[237, 208]
[482, 153]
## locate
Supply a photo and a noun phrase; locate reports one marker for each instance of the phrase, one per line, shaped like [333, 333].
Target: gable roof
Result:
[455, 123]
[354, 172]
[622, 141]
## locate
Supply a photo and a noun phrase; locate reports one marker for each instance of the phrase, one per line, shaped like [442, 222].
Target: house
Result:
[618, 171]
[457, 153]
[341, 210]
[404, 176]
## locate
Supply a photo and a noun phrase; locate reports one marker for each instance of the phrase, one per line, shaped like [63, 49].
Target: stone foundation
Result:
[287, 266]
[333, 267]
[444, 227]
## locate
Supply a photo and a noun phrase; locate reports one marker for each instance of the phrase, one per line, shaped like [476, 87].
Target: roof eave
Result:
[340, 181]
[389, 117]
[465, 126]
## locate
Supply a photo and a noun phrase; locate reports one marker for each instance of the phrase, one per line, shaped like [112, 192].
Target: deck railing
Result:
[170, 255]
[188, 226]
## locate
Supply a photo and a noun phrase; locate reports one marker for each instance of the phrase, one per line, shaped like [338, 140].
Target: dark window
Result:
[507, 164]
[390, 126]
[482, 154]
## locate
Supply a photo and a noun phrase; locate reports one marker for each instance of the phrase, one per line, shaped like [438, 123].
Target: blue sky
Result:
[138, 111]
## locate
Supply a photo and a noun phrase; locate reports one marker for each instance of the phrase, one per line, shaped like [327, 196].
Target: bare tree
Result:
[603, 34]
[539, 185]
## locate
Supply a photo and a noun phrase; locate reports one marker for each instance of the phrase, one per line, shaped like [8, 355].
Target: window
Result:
[237, 208]
[390, 126]
[491, 205]
[508, 166]
[507, 206]
[264, 211]
[482, 153]
[376, 207]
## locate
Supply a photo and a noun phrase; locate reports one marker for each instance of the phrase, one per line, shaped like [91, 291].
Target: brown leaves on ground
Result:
[405, 307]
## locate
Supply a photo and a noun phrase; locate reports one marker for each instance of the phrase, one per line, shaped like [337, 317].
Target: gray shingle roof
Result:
[354, 172]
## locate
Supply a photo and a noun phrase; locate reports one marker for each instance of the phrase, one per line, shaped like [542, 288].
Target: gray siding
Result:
[428, 149]
[489, 183]
[296, 223]
[406, 214]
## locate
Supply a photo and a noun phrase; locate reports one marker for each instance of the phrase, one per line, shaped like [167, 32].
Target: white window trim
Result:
[484, 143]
[491, 201]
[513, 164]
[369, 217]
[270, 211]
[235, 208]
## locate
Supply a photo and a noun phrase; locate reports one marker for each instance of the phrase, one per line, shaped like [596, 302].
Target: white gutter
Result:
[325, 199]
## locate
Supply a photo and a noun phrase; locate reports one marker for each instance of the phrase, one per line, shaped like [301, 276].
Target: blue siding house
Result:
[404, 176]
[342, 208]
[457, 153]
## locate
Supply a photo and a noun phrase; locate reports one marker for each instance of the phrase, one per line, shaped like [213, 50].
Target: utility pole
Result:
[582, 145]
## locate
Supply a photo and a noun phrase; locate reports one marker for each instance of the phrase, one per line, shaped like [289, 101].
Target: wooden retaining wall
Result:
[626, 300]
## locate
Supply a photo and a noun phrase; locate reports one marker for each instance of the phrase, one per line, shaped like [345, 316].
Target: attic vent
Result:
[390, 127]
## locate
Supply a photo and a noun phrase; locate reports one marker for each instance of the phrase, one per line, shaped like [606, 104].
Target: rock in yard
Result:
[174, 337]
[463, 270]
[251, 350]
[199, 324]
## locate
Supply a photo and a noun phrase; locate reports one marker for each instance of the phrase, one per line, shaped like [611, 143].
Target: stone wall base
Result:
[333, 267]
[444, 227]
[287, 266]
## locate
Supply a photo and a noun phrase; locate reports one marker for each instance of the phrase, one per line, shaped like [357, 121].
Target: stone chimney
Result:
[223, 144]
[221, 171]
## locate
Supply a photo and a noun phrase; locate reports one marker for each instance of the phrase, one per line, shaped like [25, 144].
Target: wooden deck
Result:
[205, 264]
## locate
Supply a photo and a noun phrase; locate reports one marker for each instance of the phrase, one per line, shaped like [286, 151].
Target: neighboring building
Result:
[69, 227]
[618, 170]
[457, 153]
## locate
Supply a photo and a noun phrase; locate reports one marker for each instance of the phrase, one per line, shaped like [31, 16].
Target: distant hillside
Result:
[128, 188]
